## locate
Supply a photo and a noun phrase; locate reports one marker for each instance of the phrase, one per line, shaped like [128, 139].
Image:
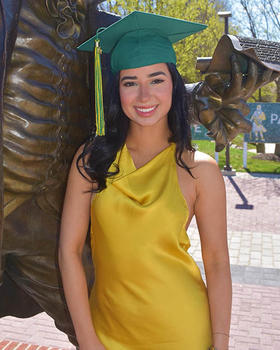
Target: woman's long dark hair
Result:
[100, 151]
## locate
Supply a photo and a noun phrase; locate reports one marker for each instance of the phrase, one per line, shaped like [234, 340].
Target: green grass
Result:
[236, 158]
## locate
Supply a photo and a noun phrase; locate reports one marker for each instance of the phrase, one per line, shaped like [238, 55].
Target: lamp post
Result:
[226, 15]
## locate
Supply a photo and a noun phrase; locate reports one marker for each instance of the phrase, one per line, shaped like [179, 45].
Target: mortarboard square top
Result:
[142, 39]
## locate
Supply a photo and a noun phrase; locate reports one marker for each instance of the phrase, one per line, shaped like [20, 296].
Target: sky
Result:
[268, 31]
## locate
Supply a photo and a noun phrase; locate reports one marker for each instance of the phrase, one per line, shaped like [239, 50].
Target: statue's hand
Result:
[221, 103]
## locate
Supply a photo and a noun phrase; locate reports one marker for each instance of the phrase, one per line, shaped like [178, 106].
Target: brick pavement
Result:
[245, 248]
[252, 202]
[261, 192]
[15, 345]
[255, 318]
[39, 329]
[254, 243]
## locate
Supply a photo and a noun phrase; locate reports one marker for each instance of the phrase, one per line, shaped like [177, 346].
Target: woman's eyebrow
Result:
[156, 74]
[126, 77]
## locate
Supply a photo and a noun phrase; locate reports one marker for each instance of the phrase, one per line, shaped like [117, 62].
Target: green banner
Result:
[199, 133]
[265, 119]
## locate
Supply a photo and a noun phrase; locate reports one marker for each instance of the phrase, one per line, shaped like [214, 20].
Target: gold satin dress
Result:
[148, 292]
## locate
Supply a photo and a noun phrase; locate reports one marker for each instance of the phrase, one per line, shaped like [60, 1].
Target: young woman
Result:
[141, 184]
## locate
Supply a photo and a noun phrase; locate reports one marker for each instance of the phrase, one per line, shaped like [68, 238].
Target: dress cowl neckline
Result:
[126, 165]
[155, 158]
[146, 183]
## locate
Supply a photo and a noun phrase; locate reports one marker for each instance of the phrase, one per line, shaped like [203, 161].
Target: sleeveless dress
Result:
[148, 292]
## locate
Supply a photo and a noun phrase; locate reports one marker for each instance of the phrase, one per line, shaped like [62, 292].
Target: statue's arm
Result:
[219, 102]
[191, 91]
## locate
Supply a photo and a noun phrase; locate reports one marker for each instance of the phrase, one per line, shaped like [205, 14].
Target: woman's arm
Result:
[210, 212]
[74, 227]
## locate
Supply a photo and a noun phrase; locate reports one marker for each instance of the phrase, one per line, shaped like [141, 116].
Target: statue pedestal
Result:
[231, 172]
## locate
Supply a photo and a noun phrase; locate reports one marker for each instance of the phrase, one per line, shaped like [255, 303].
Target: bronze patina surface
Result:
[238, 68]
[44, 117]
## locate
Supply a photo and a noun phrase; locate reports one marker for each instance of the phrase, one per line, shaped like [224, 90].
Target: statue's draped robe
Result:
[43, 123]
[45, 116]
[9, 11]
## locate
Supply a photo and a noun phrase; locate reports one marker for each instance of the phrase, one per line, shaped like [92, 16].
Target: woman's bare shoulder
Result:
[198, 159]
[203, 159]
[78, 171]
[202, 166]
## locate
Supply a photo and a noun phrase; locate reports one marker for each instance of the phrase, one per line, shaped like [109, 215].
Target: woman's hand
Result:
[97, 346]
[221, 341]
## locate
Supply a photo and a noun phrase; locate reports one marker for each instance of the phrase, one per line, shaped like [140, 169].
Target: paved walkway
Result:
[253, 203]
[254, 243]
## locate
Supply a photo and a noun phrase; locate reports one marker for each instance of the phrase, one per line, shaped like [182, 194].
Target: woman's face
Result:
[146, 93]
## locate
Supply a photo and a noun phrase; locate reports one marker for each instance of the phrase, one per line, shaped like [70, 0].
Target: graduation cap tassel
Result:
[99, 111]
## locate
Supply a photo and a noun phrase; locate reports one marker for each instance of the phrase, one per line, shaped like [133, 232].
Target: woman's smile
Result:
[146, 111]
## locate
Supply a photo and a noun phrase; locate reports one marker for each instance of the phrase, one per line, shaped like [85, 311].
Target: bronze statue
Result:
[244, 65]
[45, 115]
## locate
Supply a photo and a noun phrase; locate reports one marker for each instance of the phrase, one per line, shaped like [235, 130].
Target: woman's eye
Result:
[157, 81]
[129, 83]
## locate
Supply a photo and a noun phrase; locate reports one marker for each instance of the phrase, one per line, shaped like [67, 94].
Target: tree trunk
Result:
[277, 149]
[277, 82]
[260, 148]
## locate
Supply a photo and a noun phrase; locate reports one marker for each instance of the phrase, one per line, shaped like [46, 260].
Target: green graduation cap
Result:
[137, 40]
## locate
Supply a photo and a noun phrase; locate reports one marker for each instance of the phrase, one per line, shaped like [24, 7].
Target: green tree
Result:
[267, 93]
[198, 45]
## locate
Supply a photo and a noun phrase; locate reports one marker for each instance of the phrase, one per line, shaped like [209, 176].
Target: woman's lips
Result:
[145, 111]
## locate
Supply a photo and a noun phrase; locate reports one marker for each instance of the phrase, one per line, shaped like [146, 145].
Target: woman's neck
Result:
[148, 139]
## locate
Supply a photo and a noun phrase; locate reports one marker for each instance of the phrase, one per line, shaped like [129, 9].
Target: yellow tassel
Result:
[99, 111]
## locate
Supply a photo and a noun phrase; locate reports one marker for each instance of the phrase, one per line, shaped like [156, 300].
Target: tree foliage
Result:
[268, 93]
[198, 45]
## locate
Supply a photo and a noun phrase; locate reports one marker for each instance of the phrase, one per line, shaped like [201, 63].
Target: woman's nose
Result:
[144, 93]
